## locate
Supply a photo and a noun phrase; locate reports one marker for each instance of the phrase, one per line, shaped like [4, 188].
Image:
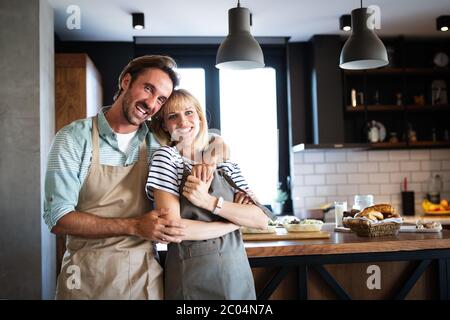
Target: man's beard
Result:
[128, 110]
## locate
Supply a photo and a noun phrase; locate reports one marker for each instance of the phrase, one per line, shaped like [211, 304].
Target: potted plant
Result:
[279, 200]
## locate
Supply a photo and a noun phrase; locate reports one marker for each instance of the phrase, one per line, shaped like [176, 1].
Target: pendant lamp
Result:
[363, 49]
[239, 50]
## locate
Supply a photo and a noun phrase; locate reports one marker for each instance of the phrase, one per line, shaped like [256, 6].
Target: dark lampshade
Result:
[443, 23]
[363, 49]
[239, 50]
[138, 21]
[345, 22]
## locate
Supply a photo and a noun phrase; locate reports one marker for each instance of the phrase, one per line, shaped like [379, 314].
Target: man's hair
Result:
[137, 66]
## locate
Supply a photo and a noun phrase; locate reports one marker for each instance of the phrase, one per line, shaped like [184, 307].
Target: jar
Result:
[362, 201]
[393, 137]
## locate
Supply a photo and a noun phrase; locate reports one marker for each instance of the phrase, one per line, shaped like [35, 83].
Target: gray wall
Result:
[27, 267]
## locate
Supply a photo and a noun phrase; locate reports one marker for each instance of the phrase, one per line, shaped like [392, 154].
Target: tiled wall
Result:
[325, 175]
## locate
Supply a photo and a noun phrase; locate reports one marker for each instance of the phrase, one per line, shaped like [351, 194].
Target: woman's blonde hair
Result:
[179, 99]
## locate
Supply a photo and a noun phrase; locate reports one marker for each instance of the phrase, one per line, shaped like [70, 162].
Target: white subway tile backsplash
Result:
[396, 200]
[312, 180]
[397, 177]
[419, 154]
[304, 191]
[369, 189]
[409, 165]
[430, 165]
[298, 157]
[314, 157]
[356, 156]
[378, 156]
[368, 167]
[335, 156]
[304, 168]
[382, 198]
[346, 167]
[358, 178]
[326, 191]
[325, 168]
[445, 164]
[336, 179]
[326, 176]
[379, 178]
[392, 166]
[421, 176]
[416, 187]
[399, 155]
[314, 202]
[346, 190]
[297, 180]
[440, 154]
[390, 188]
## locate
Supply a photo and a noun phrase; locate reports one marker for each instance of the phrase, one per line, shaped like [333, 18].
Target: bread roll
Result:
[386, 210]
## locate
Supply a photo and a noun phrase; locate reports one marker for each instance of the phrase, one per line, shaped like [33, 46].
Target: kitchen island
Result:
[346, 266]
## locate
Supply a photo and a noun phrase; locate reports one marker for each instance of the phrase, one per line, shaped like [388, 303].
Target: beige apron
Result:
[121, 267]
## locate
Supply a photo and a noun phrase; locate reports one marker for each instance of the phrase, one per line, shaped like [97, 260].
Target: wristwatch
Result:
[219, 205]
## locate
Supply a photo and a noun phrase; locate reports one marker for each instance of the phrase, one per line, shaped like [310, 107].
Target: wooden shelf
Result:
[410, 145]
[395, 108]
[400, 71]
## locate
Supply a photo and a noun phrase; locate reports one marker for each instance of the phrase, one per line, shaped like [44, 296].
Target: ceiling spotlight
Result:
[443, 23]
[345, 22]
[138, 21]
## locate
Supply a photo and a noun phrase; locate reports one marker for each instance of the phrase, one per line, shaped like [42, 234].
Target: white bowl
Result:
[303, 227]
[269, 229]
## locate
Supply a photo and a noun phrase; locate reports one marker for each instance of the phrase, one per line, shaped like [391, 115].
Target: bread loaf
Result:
[386, 211]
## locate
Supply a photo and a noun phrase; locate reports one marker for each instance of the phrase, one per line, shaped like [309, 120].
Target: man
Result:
[95, 192]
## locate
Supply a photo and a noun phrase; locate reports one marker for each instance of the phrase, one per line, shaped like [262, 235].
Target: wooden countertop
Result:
[342, 243]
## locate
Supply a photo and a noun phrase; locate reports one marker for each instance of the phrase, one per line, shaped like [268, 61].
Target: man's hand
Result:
[242, 198]
[155, 226]
[196, 191]
[203, 171]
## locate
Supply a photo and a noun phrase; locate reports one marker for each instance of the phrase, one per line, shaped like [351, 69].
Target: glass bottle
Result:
[434, 189]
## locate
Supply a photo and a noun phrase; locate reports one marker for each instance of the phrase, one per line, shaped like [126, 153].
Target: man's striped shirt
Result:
[70, 158]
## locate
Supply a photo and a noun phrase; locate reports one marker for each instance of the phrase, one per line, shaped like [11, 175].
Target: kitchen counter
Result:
[346, 266]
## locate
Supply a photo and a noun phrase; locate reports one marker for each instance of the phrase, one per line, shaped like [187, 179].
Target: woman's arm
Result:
[194, 230]
[247, 215]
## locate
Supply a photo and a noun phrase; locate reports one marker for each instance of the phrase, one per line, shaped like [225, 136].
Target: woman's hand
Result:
[196, 191]
[203, 171]
[242, 198]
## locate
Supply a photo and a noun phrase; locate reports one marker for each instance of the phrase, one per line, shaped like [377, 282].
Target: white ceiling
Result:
[110, 20]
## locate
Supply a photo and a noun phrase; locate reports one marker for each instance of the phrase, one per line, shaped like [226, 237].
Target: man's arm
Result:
[153, 225]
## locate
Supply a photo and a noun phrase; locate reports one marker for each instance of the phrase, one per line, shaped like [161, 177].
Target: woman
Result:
[210, 262]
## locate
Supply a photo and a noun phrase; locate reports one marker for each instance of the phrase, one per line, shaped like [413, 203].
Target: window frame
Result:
[204, 56]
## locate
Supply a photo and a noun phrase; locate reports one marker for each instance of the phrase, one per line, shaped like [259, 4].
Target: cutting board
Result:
[282, 234]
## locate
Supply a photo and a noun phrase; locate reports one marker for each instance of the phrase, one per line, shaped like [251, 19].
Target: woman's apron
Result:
[213, 269]
[123, 267]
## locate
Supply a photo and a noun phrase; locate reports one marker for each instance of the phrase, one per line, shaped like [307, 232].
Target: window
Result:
[248, 121]
[193, 80]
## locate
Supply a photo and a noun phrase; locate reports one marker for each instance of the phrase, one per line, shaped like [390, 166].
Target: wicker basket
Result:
[364, 229]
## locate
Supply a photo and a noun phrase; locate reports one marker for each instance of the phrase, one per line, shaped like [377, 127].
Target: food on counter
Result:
[296, 225]
[379, 212]
[351, 213]
[422, 224]
[271, 228]
[429, 206]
